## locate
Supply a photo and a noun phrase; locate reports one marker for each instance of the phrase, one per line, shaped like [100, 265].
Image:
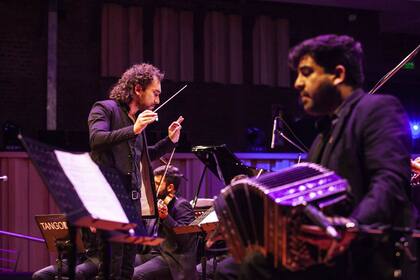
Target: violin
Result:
[166, 200]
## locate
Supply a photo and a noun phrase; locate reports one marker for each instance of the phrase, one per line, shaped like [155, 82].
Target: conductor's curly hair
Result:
[138, 74]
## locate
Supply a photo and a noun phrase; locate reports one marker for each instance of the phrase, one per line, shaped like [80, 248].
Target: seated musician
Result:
[175, 258]
[364, 138]
[88, 261]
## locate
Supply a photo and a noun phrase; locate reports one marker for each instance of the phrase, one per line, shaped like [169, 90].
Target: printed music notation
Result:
[91, 186]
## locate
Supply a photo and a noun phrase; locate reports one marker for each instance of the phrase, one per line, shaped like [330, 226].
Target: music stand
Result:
[222, 162]
[55, 231]
[225, 165]
[76, 182]
[54, 227]
[206, 223]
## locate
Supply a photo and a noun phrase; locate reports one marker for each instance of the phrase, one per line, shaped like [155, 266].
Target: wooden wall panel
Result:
[22, 197]
[18, 197]
[38, 204]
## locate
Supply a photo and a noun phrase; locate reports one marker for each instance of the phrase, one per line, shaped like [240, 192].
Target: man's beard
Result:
[163, 194]
[327, 99]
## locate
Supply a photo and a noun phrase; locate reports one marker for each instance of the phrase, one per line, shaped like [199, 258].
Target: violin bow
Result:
[395, 70]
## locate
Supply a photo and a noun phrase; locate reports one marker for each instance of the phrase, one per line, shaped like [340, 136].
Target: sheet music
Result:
[91, 186]
[211, 218]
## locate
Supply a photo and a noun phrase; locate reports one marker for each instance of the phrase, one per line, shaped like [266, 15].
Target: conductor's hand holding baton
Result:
[143, 120]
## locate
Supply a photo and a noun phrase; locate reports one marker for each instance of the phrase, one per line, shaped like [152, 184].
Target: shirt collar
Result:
[347, 102]
[323, 125]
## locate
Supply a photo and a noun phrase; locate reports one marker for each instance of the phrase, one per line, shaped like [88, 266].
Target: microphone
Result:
[320, 220]
[273, 134]
[3, 178]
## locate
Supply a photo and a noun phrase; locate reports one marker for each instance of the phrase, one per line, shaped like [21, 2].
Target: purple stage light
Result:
[415, 129]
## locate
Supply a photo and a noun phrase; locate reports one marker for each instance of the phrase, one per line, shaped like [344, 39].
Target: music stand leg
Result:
[106, 257]
[72, 259]
[61, 246]
[197, 193]
[203, 260]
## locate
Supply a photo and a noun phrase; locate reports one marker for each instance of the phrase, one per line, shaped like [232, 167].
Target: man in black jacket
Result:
[175, 258]
[365, 139]
[117, 139]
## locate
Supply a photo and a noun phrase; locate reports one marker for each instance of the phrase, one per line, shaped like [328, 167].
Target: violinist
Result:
[175, 258]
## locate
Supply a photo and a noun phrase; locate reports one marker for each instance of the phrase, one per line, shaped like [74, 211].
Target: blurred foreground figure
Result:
[363, 138]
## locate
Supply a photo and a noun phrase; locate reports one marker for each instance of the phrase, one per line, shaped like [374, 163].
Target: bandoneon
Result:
[265, 213]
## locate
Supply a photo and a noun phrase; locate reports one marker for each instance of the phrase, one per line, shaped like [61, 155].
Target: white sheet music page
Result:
[211, 218]
[91, 186]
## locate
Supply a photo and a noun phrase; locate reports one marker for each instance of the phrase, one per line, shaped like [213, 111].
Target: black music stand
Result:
[225, 165]
[54, 227]
[206, 223]
[222, 163]
[70, 201]
[54, 230]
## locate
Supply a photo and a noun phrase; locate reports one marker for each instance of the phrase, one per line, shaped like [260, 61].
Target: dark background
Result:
[238, 115]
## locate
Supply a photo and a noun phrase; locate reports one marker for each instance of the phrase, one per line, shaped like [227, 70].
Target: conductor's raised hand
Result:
[174, 130]
[143, 120]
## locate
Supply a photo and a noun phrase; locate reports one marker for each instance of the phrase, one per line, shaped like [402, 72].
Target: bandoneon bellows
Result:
[265, 213]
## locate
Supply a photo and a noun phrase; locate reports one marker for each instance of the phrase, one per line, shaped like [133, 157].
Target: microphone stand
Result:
[292, 133]
[294, 144]
[277, 131]
[291, 142]
[302, 150]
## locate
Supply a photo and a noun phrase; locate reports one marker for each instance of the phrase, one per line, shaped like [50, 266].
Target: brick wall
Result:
[78, 62]
[23, 63]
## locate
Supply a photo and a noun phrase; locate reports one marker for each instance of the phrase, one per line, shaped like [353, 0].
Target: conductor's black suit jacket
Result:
[111, 131]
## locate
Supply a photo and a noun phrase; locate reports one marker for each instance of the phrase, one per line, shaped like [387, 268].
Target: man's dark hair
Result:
[329, 51]
[173, 176]
[138, 74]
